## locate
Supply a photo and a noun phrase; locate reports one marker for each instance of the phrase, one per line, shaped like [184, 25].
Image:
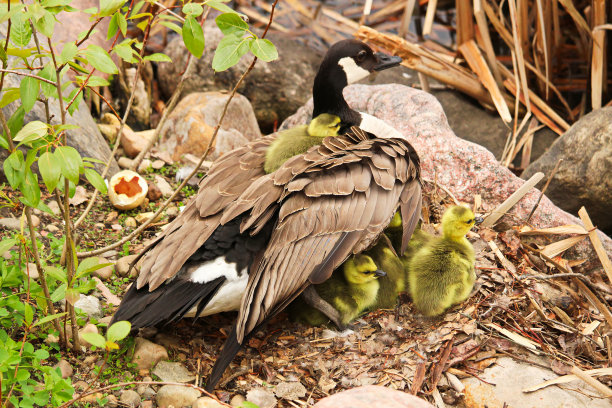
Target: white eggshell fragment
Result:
[127, 190]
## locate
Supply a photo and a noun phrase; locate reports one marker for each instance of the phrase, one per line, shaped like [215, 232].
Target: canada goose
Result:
[297, 140]
[350, 291]
[441, 273]
[275, 234]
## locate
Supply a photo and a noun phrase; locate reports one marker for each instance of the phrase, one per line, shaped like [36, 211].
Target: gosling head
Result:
[457, 221]
[324, 125]
[396, 221]
[361, 269]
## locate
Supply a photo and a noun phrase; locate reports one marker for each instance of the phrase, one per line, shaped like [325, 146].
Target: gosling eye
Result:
[361, 56]
[470, 221]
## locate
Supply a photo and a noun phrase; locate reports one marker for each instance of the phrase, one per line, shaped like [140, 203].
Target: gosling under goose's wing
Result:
[332, 202]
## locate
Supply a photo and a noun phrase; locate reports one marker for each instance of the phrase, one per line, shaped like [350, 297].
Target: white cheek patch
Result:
[379, 128]
[353, 71]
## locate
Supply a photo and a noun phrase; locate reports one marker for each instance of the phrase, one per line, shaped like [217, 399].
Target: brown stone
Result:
[147, 354]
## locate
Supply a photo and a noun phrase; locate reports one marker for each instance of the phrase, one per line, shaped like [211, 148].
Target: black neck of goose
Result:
[328, 98]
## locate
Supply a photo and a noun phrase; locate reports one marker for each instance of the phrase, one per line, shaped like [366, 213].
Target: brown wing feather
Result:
[227, 179]
[328, 210]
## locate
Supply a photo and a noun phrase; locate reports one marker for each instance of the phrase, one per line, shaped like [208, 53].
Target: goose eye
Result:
[361, 56]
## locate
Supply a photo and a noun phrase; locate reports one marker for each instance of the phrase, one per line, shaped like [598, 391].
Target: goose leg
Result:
[312, 298]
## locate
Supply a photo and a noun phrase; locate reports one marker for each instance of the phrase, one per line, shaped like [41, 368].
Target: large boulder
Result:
[370, 396]
[87, 139]
[465, 168]
[276, 89]
[190, 126]
[584, 177]
[467, 118]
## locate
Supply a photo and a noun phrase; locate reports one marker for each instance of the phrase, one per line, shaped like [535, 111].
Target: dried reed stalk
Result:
[597, 59]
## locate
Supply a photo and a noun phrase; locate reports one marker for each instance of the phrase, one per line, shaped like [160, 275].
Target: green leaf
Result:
[28, 313]
[48, 319]
[193, 36]
[89, 265]
[68, 52]
[124, 51]
[173, 27]
[100, 59]
[32, 131]
[56, 273]
[96, 180]
[229, 51]
[263, 49]
[20, 30]
[158, 57]
[15, 8]
[45, 208]
[218, 5]
[72, 295]
[3, 55]
[48, 72]
[118, 331]
[10, 96]
[50, 170]
[28, 90]
[108, 7]
[71, 162]
[118, 22]
[59, 293]
[7, 244]
[248, 404]
[193, 9]
[14, 169]
[122, 22]
[94, 339]
[231, 23]
[30, 189]
[77, 102]
[94, 80]
[45, 24]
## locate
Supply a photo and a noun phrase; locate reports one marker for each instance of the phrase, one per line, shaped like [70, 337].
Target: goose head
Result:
[346, 62]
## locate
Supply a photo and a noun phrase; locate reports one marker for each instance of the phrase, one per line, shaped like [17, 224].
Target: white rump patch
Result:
[230, 293]
[353, 71]
[378, 127]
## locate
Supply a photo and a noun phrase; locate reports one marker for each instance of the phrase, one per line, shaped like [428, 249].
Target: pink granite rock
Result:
[463, 167]
[371, 396]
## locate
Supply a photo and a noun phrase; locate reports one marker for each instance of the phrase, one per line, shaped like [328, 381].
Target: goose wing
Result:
[331, 202]
[229, 176]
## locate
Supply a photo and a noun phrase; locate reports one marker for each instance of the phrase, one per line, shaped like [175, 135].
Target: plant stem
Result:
[121, 126]
[10, 71]
[144, 225]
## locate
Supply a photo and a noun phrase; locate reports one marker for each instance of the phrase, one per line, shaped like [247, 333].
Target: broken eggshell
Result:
[127, 190]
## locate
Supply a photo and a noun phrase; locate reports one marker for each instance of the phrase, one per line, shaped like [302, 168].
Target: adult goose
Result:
[286, 229]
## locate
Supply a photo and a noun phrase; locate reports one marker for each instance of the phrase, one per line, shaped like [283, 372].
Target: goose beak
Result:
[380, 273]
[386, 61]
[478, 220]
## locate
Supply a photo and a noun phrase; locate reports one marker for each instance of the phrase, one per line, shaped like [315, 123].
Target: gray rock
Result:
[145, 391]
[147, 354]
[52, 228]
[468, 119]
[65, 368]
[370, 396]
[290, 390]
[123, 264]
[130, 398]
[130, 222]
[90, 305]
[176, 395]
[173, 372]
[237, 400]
[261, 397]
[207, 402]
[54, 207]
[584, 177]
[10, 223]
[141, 105]
[124, 162]
[35, 221]
[32, 270]
[275, 89]
[111, 401]
[191, 124]
[164, 187]
[511, 377]
[105, 272]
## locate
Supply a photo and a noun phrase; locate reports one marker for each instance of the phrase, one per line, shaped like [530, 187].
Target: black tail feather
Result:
[166, 304]
[230, 349]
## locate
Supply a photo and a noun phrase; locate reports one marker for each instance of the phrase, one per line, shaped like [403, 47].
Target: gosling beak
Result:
[380, 273]
[386, 61]
[478, 220]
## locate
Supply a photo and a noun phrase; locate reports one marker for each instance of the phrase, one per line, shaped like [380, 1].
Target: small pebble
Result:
[116, 227]
[35, 221]
[32, 270]
[124, 162]
[65, 368]
[144, 164]
[112, 216]
[142, 217]
[154, 192]
[54, 207]
[99, 225]
[237, 400]
[105, 272]
[130, 222]
[111, 401]
[158, 164]
[206, 402]
[130, 398]
[52, 228]
[172, 211]
[110, 254]
[163, 185]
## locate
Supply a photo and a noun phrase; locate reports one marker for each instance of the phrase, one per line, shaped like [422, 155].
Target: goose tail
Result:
[230, 349]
